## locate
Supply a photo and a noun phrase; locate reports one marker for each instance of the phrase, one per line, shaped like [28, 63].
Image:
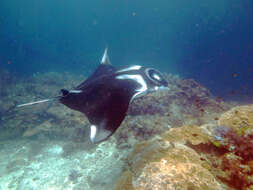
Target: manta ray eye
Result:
[155, 76]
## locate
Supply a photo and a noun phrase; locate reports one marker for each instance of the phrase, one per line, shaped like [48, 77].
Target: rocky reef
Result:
[182, 138]
[186, 103]
[35, 120]
[210, 156]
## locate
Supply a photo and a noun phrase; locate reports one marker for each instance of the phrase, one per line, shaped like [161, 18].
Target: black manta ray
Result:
[105, 96]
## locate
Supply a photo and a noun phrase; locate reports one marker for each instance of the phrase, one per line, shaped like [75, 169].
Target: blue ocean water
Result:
[209, 41]
[48, 146]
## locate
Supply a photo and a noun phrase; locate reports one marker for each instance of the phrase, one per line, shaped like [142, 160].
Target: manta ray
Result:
[106, 95]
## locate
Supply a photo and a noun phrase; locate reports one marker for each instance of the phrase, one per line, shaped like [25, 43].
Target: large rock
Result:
[184, 97]
[167, 164]
[239, 118]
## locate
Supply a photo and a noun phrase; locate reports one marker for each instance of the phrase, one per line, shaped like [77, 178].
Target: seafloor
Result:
[183, 138]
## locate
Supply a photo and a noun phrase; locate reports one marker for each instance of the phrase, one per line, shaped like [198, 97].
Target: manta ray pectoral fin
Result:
[98, 134]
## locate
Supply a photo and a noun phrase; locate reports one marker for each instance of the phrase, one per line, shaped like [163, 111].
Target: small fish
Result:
[234, 75]
[105, 96]
[9, 62]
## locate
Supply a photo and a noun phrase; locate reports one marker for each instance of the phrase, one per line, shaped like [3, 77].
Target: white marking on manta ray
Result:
[156, 76]
[75, 91]
[135, 67]
[138, 78]
[105, 58]
[159, 88]
[93, 131]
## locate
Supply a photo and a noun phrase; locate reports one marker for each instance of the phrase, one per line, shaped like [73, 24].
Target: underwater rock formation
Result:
[215, 156]
[235, 127]
[186, 103]
[239, 118]
[162, 163]
[188, 96]
[41, 164]
[29, 121]
[181, 138]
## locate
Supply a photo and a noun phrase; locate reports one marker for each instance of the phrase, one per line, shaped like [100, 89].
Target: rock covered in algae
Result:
[191, 157]
[165, 163]
[184, 98]
[234, 141]
[49, 118]
[185, 103]
[170, 173]
[187, 134]
[230, 148]
[157, 113]
[141, 127]
[239, 118]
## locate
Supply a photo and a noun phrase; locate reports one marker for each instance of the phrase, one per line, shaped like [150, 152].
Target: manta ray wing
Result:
[105, 102]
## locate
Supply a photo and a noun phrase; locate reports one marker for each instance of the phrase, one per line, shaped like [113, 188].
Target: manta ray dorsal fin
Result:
[98, 134]
[105, 59]
[105, 68]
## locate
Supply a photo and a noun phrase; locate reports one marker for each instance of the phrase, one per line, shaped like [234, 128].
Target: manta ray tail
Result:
[38, 102]
[63, 91]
